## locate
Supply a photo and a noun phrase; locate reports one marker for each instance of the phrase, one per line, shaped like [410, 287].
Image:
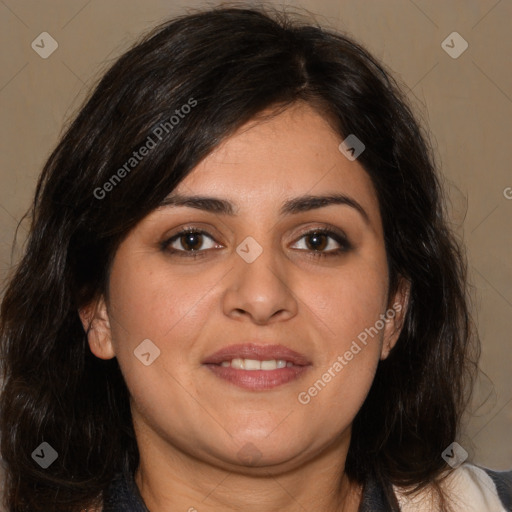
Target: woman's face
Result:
[259, 289]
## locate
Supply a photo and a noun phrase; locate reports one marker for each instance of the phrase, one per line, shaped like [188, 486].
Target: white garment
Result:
[469, 488]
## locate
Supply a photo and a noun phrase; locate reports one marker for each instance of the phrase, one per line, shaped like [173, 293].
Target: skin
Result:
[195, 431]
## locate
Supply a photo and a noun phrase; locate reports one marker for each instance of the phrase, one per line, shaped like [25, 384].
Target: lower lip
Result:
[258, 380]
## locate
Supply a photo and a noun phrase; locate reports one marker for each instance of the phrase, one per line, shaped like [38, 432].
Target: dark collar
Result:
[123, 494]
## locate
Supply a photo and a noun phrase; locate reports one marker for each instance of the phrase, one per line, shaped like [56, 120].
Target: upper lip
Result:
[258, 352]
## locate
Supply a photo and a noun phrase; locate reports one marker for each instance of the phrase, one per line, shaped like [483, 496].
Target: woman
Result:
[239, 291]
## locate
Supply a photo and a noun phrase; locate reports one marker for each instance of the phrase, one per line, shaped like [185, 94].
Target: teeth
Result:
[254, 364]
[251, 364]
[269, 365]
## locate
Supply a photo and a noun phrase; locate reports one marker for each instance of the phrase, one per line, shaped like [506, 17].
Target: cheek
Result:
[151, 300]
[347, 308]
[336, 393]
[348, 301]
[147, 299]
[345, 369]
[151, 303]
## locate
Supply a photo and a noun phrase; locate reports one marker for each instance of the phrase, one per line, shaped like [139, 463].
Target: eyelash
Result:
[337, 237]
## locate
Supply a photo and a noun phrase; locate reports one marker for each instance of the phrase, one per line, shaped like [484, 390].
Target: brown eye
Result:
[192, 241]
[317, 241]
[189, 242]
[323, 242]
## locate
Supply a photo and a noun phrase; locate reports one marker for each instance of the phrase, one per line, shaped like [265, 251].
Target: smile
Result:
[257, 367]
[254, 364]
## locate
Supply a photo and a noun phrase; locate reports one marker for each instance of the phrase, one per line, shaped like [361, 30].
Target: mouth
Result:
[257, 367]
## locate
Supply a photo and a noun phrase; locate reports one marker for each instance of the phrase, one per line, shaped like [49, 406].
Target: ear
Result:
[395, 316]
[96, 323]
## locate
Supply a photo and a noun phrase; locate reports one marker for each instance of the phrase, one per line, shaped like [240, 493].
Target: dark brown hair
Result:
[234, 63]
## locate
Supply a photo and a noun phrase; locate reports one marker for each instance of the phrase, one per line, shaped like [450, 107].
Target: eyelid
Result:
[328, 230]
[332, 232]
[164, 244]
[324, 228]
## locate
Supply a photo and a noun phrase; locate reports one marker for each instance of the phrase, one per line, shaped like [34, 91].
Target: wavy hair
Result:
[234, 63]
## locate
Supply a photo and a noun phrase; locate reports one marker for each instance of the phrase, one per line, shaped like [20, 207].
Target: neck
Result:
[170, 479]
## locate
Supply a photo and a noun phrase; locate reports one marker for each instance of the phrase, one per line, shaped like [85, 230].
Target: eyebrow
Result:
[292, 206]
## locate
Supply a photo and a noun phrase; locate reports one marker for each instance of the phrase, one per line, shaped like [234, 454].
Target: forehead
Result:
[265, 163]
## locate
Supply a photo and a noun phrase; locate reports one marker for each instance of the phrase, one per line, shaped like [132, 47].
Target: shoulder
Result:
[503, 482]
[469, 488]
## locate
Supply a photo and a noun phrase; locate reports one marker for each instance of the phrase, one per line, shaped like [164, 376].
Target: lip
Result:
[257, 380]
[258, 352]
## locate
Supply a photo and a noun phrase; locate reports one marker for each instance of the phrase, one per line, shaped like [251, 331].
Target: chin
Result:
[269, 451]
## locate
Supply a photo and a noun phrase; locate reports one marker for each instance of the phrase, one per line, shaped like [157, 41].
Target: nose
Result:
[260, 290]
